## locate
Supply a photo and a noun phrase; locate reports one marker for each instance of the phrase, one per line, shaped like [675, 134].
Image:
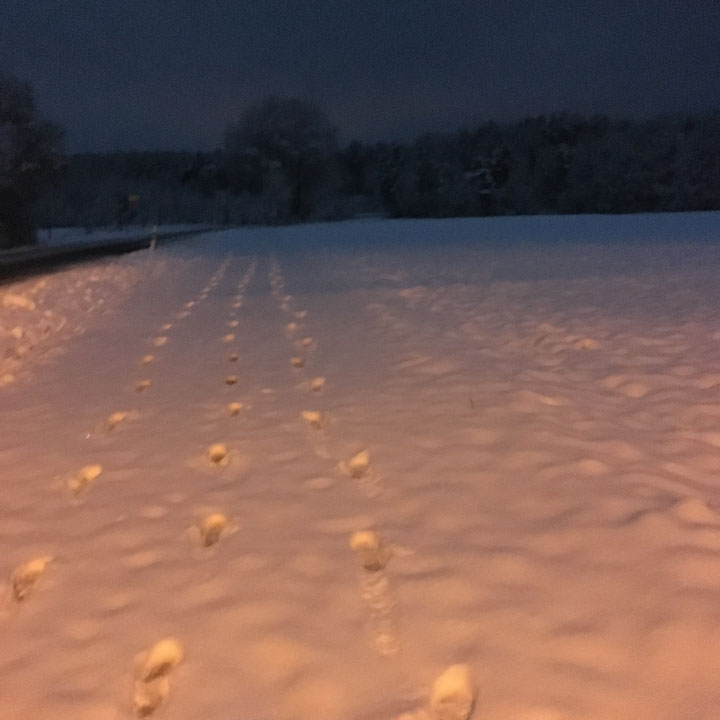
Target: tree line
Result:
[282, 162]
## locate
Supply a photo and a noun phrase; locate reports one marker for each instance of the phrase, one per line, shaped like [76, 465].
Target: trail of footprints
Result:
[371, 550]
[153, 668]
[452, 695]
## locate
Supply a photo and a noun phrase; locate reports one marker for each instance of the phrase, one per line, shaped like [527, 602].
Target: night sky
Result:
[170, 74]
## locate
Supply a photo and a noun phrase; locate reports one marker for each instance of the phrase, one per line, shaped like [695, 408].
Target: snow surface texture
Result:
[539, 401]
[38, 313]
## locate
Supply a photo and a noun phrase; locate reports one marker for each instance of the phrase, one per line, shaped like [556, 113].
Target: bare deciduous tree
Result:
[293, 134]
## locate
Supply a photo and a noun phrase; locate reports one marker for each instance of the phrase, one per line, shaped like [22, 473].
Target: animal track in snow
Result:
[231, 379]
[24, 577]
[233, 357]
[160, 340]
[233, 323]
[297, 362]
[147, 359]
[228, 338]
[166, 327]
[142, 386]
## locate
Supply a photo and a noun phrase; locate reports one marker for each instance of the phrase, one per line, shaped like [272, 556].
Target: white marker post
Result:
[153, 239]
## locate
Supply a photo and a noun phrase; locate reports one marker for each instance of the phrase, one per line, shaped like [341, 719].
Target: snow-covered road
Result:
[541, 423]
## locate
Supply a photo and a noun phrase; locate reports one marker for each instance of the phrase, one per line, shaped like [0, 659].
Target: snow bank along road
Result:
[368, 470]
[75, 247]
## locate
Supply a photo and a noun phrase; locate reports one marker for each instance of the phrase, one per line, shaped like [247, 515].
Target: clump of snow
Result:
[212, 527]
[152, 684]
[315, 418]
[116, 418]
[217, 453]
[25, 577]
[161, 659]
[370, 549]
[452, 695]
[234, 408]
[359, 464]
[13, 300]
[84, 478]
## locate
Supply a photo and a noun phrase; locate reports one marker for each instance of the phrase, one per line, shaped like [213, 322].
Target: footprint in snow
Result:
[82, 480]
[234, 408]
[317, 384]
[25, 577]
[376, 591]
[152, 671]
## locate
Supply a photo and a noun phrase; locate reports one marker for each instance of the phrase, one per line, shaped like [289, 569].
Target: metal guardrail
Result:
[29, 260]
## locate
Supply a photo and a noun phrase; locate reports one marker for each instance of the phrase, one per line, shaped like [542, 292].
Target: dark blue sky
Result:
[170, 74]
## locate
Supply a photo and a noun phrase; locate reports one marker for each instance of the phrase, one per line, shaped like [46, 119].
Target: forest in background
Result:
[557, 164]
[281, 162]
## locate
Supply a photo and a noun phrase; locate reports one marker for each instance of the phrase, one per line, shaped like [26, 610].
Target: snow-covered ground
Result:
[539, 402]
[74, 235]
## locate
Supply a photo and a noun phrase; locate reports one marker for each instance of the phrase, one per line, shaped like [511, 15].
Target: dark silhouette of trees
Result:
[281, 163]
[286, 133]
[30, 158]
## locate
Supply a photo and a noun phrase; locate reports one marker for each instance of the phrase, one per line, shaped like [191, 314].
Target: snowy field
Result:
[327, 463]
